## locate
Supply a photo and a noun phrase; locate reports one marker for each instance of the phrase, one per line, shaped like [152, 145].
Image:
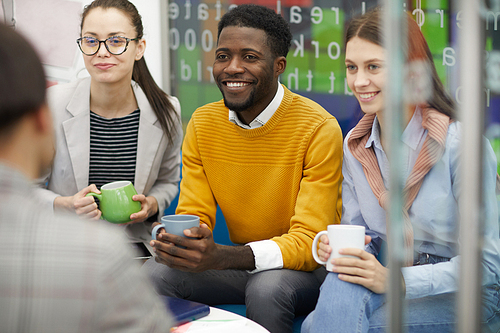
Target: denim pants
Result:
[272, 298]
[345, 307]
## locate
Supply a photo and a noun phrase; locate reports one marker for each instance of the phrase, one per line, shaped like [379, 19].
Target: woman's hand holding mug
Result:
[115, 201]
[341, 249]
[149, 207]
[80, 204]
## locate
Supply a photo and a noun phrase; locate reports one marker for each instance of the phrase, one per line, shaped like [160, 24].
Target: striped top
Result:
[113, 148]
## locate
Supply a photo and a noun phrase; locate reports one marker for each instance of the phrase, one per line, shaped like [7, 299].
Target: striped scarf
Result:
[432, 150]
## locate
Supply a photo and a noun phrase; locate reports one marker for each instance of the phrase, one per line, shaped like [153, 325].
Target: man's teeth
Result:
[367, 95]
[236, 84]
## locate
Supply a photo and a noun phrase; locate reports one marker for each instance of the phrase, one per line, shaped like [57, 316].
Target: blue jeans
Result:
[346, 307]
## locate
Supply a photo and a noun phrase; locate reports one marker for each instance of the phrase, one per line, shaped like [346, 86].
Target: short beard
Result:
[248, 103]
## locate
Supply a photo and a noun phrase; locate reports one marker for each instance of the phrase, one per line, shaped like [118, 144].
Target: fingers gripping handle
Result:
[155, 230]
[315, 247]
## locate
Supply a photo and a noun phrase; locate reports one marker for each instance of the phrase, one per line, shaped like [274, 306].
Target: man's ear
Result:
[279, 65]
[43, 119]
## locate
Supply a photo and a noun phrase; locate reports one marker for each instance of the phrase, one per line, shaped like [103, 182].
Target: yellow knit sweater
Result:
[281, 181]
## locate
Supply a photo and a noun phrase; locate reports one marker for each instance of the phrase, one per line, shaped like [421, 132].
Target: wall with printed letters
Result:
[316, 59]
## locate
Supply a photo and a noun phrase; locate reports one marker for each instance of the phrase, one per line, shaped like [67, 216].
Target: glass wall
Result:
[316, 60]
[315, 63]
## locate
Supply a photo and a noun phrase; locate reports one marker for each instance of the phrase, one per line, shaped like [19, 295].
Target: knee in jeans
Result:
[271, 291]
[333, 288]
[153, 270]
[268, 290]
[164, 279]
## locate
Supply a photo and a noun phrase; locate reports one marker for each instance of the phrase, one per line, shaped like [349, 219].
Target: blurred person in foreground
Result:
[352, 297]
[58, 273]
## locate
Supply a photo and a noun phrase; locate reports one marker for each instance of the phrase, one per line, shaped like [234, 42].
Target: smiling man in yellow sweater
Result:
[271, 160]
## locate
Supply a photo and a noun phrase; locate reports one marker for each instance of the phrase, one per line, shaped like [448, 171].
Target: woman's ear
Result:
[141, 48]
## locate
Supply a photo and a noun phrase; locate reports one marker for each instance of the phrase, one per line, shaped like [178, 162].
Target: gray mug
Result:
[176, 224]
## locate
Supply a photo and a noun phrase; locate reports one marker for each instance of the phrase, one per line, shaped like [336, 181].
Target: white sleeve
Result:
[267, 255]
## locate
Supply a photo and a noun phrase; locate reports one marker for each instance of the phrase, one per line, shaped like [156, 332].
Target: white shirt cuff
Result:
[267, 255]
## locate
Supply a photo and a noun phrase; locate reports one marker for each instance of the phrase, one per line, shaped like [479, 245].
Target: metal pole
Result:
[165, 46]
[8, 11]
[471, 113]
[394, 32]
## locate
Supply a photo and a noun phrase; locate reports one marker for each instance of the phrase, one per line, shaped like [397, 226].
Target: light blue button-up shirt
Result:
[434, 213]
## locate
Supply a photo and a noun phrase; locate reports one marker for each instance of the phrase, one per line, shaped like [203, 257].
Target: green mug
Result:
[115, 201]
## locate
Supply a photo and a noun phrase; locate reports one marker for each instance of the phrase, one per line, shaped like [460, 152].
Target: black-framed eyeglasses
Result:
[115, 45]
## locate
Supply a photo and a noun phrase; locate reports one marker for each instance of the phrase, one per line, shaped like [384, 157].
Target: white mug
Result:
[340, 236]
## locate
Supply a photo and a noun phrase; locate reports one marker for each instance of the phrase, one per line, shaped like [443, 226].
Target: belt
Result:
[426, 258]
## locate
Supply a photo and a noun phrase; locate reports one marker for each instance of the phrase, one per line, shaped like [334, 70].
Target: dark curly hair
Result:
[279, 37]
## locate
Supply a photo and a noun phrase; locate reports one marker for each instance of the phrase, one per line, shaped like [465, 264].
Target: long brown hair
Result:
[157, 98]
[369, 27]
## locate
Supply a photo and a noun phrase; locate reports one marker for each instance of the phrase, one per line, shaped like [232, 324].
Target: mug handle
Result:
[155, 230]
[98, 196]
[315, 247]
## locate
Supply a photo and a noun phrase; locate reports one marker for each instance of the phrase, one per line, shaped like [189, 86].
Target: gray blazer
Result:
[157, 171]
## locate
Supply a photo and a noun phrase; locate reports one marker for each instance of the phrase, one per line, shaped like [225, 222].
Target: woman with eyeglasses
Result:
[352, 297]
[116, 124]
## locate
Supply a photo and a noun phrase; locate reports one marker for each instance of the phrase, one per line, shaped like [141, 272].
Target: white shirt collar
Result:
[411, 136]
[264, 116]
[374, 138]
[414, 132]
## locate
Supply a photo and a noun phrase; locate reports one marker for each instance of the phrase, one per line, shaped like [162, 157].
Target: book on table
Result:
[185, 310]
